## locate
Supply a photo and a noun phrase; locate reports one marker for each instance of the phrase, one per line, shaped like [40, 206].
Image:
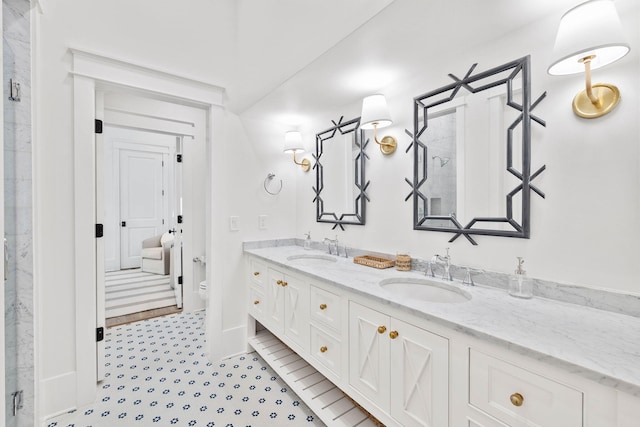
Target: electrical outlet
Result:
[234, 223]
[262, 222]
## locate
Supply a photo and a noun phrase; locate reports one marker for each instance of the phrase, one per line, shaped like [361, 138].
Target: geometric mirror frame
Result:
[518, 136]
[356, 216]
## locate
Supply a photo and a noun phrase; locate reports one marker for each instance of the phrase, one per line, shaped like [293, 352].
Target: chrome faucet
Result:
[331, 243]
[446, 264]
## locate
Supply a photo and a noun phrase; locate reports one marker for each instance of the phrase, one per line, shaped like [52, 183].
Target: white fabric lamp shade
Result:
[375, 110]
[293, 142]
[591, 28]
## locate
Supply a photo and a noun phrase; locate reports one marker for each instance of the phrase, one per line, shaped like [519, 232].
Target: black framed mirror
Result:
[472, 159]
[340, 190]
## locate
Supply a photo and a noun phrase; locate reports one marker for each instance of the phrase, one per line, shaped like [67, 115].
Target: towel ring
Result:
[269, 178]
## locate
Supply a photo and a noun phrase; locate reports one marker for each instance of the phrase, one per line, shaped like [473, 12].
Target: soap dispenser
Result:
[307, 241]
[520, 285]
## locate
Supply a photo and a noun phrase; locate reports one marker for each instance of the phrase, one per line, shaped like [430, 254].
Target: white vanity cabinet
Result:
[287, 307]
[400, 368]
[407, 370]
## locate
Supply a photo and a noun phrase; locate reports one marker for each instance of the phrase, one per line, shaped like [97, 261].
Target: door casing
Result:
[92, 72]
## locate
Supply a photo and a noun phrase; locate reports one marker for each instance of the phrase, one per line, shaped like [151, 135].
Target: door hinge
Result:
[163, 222]
[163, 163]
[98, 126]
[99, 334]
[17, 401]
[163, 192]
[179, 158]
[179, 219]
[99, 230]
[179, 280]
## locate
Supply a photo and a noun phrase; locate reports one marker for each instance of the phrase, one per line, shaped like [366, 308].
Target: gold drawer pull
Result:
[256, 273]
[256, 302]
[279, 282]
[382, 329]
[284, 283]
[323, 306]
[323, 349]
[393, 335]
[517, 399]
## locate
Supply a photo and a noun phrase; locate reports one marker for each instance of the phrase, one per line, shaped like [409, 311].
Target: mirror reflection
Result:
[472, 154]
[340, 175]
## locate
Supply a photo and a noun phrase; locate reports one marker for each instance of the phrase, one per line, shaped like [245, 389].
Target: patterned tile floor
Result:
[157, 375]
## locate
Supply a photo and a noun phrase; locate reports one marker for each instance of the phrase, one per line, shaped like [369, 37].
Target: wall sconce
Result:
[375, 114]
[589, 37]
[293, 144]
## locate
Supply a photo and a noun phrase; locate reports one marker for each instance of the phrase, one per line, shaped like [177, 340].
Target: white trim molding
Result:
[92, 72]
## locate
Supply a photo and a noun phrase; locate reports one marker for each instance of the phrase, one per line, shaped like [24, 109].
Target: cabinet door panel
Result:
[419, 376]
[296, 312]
[275, 301]
[369, 354]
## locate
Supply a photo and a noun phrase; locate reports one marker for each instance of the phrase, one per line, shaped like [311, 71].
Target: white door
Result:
[296, 311]
[101, 321]
[141, 202]
[176, 252]
[419, 376]
[369, 354]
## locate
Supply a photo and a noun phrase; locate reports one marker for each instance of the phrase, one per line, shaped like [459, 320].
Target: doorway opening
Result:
[142, 201]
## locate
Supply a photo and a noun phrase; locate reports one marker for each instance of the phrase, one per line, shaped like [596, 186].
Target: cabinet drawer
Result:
[327, 350]
[519, 397]
[325, 308]
[256, 303]
[258, 272]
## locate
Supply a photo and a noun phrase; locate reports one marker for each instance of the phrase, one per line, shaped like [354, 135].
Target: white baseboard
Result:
[58, 395]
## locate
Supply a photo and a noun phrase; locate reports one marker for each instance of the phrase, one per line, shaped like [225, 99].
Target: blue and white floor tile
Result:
[157, 375]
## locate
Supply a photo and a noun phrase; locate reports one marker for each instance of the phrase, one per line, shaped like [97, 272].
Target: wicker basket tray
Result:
[374, 261]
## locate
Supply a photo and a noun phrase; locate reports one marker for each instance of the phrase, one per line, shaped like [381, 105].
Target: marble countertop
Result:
[599, 345]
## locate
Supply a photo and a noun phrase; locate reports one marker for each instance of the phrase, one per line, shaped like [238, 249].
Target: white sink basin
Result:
[424, 290]
[312, 259]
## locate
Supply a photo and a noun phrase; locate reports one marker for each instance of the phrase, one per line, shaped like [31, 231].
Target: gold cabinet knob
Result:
[382, 329]
[323, 349]
[284, 283]
[256, 273]
[393, 335]
[256, 302]
[323, 306]
[279, 282]
[517, 399]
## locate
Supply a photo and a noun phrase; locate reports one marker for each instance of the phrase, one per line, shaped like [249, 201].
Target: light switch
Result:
[262, 222]
[234, 223]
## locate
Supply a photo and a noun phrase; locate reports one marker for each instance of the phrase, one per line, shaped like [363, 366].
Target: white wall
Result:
[586, 230]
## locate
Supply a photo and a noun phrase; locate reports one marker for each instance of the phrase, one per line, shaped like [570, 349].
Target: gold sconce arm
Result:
[388, 144]
[305, 163]
[597, 99]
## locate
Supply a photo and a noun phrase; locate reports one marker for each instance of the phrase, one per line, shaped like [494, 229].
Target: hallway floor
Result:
[157, 375]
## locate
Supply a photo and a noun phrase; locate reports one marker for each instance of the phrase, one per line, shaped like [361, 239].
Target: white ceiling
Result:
[278, 38]
[389, 47]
